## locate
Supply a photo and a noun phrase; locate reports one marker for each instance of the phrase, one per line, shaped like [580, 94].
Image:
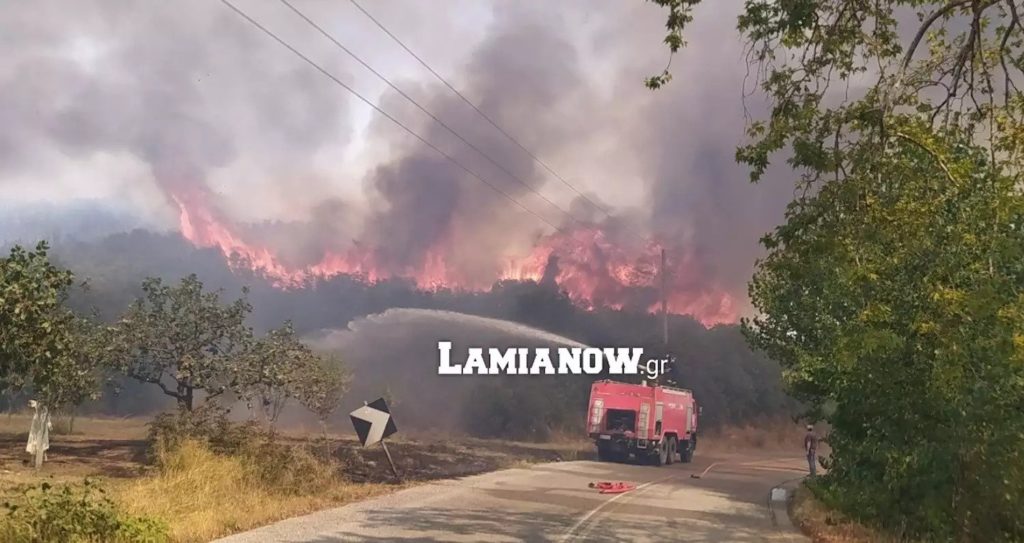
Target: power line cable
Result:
[342, 84]
[424, 110]
[477, 109]
[605, 212]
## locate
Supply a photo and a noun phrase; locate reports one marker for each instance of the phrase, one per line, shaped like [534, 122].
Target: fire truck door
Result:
[659, 410]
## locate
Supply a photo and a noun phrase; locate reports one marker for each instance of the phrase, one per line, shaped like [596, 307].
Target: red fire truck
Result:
[648, 423]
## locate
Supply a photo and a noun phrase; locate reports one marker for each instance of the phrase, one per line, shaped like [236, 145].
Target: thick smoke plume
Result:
[244, 148]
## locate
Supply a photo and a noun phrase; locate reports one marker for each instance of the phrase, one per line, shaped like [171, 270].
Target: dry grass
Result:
[204, 496]
[771, 435]
[823, 525]
[17, 424]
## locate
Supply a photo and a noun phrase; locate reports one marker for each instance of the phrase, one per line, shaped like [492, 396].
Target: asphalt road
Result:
[553, 503]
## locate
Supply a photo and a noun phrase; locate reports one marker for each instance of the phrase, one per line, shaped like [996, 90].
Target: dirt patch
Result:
[231, 501]
[424, 460]
[117, 449]
[73, 456]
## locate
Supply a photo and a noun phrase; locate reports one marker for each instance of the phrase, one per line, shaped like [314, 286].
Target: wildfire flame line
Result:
[594, 271]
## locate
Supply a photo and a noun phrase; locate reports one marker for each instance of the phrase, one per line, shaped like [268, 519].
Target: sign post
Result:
[373, 423]
[391, 462]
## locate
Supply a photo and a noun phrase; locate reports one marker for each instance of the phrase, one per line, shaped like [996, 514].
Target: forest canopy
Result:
[892, 294]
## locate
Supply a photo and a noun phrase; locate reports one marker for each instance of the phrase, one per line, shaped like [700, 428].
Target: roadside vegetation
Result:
[189, 345]
[191, 481]
[891, 296]
[212, 477]
[823, 523]
[196, 472]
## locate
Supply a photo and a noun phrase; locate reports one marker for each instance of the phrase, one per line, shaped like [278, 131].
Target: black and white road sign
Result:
[373, 422]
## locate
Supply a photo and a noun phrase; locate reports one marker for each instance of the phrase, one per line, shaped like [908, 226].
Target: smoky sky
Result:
[523, 76]
[147, 100]
[182, 87]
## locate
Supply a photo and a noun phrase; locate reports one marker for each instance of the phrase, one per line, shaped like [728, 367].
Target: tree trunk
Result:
[327, 442]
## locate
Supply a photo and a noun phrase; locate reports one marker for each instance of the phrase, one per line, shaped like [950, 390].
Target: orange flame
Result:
[594, 271]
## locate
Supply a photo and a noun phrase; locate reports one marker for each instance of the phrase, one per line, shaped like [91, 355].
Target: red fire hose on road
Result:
[606, 487]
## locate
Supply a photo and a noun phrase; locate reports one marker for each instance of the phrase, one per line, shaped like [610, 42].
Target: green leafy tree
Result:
[31, 308]
[901, 309]
[891, 296]
[44, 347]
[276, 369]
[77, 373]
[321, 390]
[182, 339]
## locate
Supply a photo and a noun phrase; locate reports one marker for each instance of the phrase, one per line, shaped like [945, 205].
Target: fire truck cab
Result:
[654, 424]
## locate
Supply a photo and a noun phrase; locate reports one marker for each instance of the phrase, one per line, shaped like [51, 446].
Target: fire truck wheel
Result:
[661, 457]
[687, 453]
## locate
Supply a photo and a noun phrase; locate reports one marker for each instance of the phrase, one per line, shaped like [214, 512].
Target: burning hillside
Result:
[269, 163]
[585, 262]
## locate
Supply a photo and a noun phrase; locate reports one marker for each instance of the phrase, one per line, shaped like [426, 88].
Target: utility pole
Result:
[664, 311]
[664, 299]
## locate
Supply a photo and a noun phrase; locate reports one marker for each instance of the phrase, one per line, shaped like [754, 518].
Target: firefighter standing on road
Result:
[811, 448]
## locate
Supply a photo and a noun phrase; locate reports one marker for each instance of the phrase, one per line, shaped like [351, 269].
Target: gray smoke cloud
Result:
[526, 78]
[189, 99]
[183, 87]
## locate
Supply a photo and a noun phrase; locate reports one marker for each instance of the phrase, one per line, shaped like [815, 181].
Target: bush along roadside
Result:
[280, 467]
[73, 513]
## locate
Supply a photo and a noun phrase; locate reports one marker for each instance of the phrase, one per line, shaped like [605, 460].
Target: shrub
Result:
[529, 410]
[74, 514]
[62, 426]
[287, 469]
[196, 490]
[207, 495]
[207, 424]
[279, 467]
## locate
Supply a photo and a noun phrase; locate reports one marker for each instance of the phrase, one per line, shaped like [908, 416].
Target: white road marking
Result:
[761, 465]
[571, 534]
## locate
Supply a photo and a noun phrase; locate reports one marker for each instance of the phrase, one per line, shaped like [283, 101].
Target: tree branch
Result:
[157, 381]
[924, 29]
[923, 147]
[1007, 80]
